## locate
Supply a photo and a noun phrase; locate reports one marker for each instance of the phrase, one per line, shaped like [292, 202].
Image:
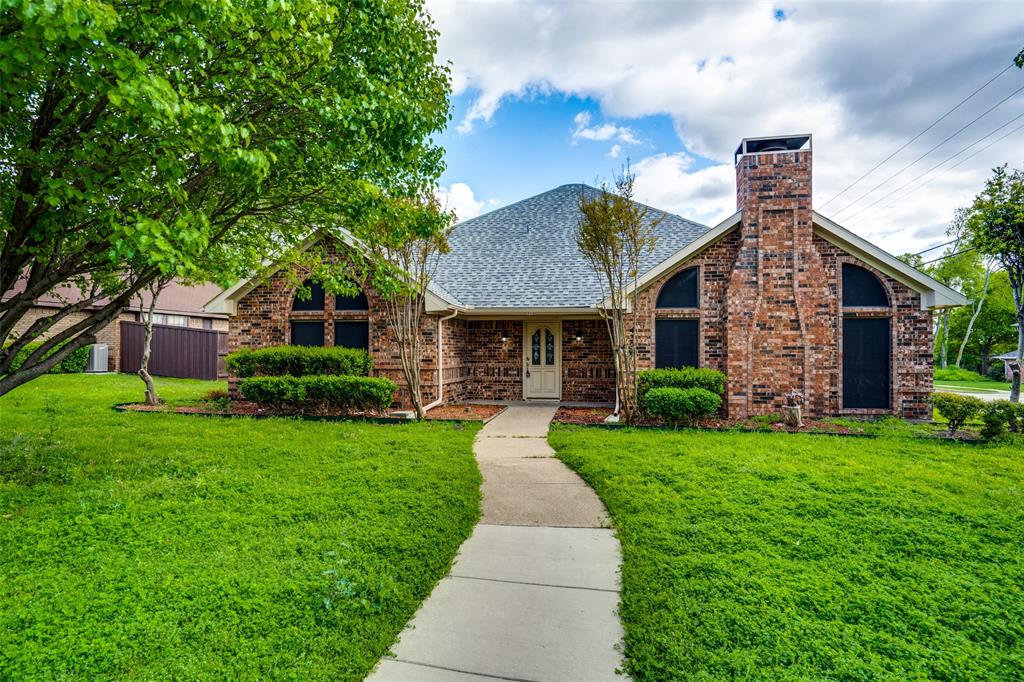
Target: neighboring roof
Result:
[175, 299]
[524, 255]
[1012, 355]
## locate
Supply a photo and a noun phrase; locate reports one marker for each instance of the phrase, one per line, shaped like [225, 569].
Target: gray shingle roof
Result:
[524, 254]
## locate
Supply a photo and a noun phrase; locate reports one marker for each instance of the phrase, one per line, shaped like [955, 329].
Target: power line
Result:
[949, 255]
[973, 121]
[932, 248]
[958, 163]
[915, 137]
[948, 158]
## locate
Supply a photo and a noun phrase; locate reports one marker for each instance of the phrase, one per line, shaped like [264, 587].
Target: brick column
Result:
[779, 330]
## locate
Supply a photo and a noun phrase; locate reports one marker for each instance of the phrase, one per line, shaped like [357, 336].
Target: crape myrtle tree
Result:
[613, 234]
[401, 242]
[194, 139]
[995, 228]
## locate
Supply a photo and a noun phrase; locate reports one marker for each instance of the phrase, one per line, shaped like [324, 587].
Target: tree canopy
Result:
[195, 138]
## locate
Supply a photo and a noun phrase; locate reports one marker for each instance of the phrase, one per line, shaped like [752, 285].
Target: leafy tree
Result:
[164, 139]
[993, 331]
[996, 228]
[613, 234]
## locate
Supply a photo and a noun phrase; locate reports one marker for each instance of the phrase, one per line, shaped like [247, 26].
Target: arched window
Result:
[680, 291]
[357, 302]
[315, 302]
[861, 289]
[867, 341]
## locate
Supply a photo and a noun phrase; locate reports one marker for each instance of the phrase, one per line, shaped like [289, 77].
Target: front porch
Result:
[531, 359]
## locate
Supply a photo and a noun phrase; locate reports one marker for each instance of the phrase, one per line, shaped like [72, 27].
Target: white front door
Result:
[543, 350]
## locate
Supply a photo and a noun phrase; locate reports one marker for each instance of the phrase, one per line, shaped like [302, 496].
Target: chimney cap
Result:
[772, 144]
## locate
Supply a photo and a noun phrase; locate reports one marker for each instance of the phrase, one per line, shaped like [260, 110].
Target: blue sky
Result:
[529, 146]
[677, 84]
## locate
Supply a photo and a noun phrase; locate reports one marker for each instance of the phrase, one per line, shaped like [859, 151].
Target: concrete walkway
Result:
[533, 594]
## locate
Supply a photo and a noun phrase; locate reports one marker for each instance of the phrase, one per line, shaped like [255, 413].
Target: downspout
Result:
[440, 363]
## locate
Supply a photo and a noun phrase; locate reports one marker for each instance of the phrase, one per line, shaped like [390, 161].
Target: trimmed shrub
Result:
[681, 405]
[957, 409]
[299, 361]
[683, 377]
[1000, 415]
[957, 374]
[75, 362]
[320, 392]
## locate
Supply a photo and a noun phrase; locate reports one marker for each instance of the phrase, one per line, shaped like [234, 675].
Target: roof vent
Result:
[766, 145]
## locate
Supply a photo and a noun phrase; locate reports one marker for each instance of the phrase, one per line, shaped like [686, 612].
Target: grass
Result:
[985, 385]
[799, 557]
[162, 546]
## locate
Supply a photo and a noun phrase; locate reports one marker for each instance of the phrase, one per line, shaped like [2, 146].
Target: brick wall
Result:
[495, 352]
[588, 372]
[110, 334]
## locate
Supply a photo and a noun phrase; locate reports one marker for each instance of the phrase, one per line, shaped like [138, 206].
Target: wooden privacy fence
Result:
[181, 352]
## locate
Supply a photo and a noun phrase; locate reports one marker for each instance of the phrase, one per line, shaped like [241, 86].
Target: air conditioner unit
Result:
[97, 358]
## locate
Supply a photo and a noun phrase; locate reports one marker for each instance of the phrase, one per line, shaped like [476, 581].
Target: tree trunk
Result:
[1015, 366]
[945, 338]
[147, 344]
[974, 316]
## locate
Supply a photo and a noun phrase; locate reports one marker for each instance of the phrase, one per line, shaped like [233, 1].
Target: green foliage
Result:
[681, 405]
[1000, 415]
[76, 361]
[183, 547]
[957, 374]
[320, 392]
[682, 377]
[957, 409]
[184, 138]
[798, 557]
[299, 361]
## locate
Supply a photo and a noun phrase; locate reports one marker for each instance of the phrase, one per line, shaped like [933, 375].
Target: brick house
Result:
[777, 296]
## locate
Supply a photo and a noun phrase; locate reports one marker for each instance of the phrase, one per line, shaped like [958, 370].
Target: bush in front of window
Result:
[678, 406]
[299, 361]
[682, 377]
[75, 362]
[957, 409]
[320, 393]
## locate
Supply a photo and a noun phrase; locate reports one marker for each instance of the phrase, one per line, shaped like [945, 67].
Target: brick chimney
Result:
[780, 311]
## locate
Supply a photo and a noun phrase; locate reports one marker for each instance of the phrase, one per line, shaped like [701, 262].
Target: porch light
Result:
[579, 338]
[504, 339]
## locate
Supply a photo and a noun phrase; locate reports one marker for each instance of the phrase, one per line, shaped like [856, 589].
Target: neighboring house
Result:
[177, 306]
[777, 296]
[1007, 358]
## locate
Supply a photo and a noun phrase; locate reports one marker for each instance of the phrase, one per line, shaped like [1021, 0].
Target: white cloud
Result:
[863, 78]
[615, 151]
[607, 131]
[666, 181]
[459, 197]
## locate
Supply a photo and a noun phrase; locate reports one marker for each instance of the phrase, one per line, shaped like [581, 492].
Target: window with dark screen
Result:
[866, 371]
[352, 334]
[316, 297]
[677, 343]
[681, 291]
[307, 333]
[861, 289]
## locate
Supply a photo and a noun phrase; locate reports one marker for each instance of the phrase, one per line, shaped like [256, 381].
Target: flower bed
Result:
[596, 415]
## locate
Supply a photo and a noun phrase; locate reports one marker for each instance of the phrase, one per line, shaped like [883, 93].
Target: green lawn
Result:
[973, 385]
[800, 557]
[160, 546]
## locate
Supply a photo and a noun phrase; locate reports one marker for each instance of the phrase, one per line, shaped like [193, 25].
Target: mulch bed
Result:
[242, 408]
[466, 412]
[596, 415]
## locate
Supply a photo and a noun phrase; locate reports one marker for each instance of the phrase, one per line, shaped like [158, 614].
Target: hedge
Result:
[681, 405]
[320, 392]
[957, 374]
[299, 361]
[75, 362]
[683, 377]
[957, 409]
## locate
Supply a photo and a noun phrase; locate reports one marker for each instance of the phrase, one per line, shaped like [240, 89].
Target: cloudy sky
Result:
[548, 93]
